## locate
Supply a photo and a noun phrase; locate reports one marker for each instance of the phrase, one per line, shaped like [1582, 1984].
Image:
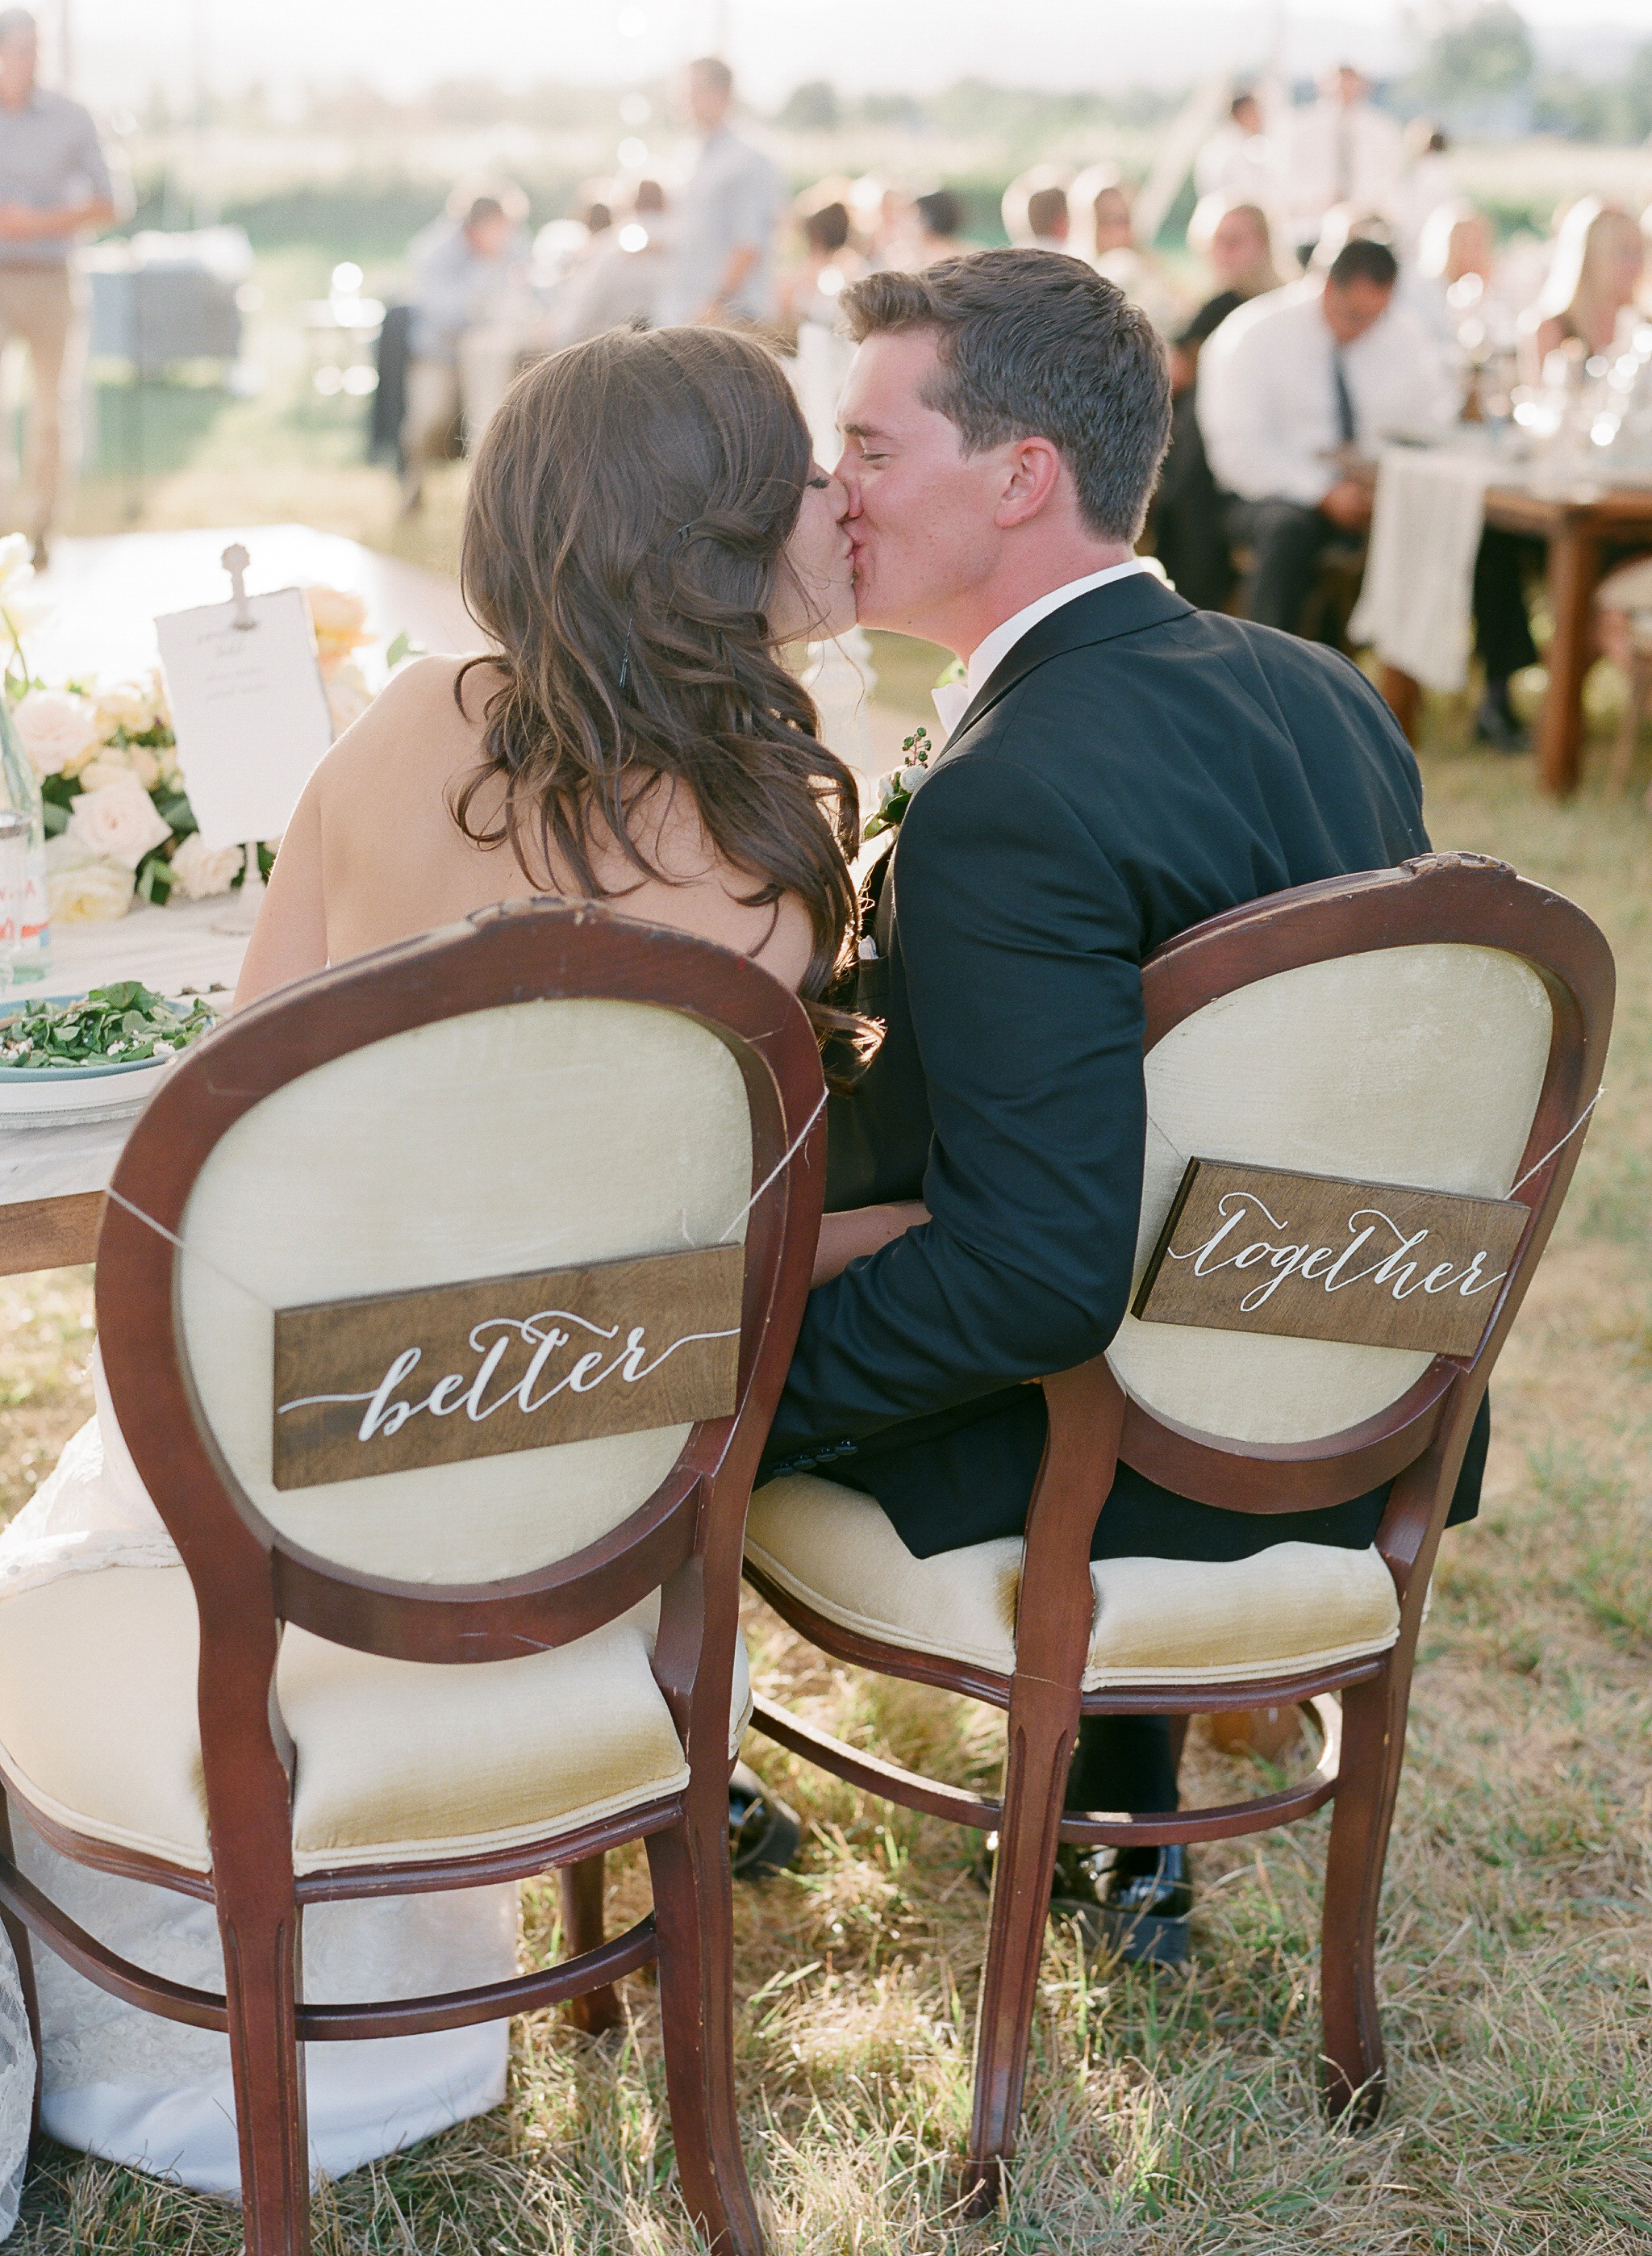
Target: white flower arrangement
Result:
[118, 821]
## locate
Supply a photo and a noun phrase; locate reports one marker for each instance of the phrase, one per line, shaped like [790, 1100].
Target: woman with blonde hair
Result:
[1595, 273]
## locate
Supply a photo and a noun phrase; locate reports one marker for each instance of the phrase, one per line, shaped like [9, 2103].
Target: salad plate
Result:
[92, 1057]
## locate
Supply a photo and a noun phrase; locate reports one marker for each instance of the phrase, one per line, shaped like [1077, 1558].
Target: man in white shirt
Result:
[725, 227]
[1342, 150]
[1238, 160]
[1293, 388]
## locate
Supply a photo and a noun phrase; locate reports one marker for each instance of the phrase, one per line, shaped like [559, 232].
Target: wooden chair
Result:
[1442, 1024]
[546, 1085]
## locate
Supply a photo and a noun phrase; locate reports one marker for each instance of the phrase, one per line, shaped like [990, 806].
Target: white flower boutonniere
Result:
[895, 790]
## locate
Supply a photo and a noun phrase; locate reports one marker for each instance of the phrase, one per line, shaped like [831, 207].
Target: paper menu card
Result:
[249, 711]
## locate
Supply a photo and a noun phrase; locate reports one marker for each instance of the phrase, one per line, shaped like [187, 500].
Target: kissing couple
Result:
[644, 531]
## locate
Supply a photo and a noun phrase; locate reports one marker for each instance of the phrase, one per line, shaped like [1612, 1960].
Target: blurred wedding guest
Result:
[469, 314]
[1340, 150]
[1453, 276]
[1190, 513]
[941, 215]
[1294, 390]
[726, 216]
[1593, 277]
[54, 187]
[1238, 160]
[1429, 181]
[619, 286]
[1104, 234]
[810, 292]
[1035, 210]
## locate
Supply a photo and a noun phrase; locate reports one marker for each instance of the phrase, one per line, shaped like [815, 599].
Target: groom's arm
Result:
[1020, 949]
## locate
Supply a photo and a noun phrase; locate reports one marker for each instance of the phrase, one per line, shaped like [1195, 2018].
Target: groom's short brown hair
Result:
[1034, 344]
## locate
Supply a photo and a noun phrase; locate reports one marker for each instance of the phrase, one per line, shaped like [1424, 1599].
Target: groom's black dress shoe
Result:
[1135, 1901]
[764, 1833]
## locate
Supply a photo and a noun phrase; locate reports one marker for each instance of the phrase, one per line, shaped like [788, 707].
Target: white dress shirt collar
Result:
[953, 699]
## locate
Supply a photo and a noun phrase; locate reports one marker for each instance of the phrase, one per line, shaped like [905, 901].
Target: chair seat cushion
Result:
[397, 1759]
[1294, 1606]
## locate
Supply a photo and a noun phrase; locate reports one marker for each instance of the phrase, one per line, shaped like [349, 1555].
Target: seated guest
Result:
[1296, 390]
[939, 217]
[468, 269]
[1452, 279]
[809, 292]
[661, 758]
[1237, 163]
[1035, 210]
[618, 285]
[1292, 387]
[1123, 767]
[1104, 233]
[1592, 280]
[1190, 516]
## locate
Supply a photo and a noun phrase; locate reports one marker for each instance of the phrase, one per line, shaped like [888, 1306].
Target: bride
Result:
[644, 529]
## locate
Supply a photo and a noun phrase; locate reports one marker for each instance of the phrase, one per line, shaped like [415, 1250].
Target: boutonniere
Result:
[895, 789]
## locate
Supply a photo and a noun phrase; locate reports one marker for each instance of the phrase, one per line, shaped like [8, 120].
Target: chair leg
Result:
[1044, 1725]
[261, 1975]
[1635, 705]
[694, 1913]
[595, 2010]
[1373, 1753]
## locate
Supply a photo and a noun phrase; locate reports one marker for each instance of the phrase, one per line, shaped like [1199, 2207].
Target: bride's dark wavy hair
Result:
[624, 538]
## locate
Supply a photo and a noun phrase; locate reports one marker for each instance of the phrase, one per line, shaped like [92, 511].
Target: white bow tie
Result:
[952, 703]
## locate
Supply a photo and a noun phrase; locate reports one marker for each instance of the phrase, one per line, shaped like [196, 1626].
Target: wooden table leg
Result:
[1404, 695]
[1574, 569]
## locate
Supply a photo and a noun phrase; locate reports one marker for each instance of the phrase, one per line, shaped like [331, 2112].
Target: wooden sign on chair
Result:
[1315, 1257]
[475, 1369]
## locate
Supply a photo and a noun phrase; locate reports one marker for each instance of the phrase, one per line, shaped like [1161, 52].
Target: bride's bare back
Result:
[372, 854]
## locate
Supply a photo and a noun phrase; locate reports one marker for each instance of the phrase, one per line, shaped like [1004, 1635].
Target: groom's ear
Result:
[1032, 472]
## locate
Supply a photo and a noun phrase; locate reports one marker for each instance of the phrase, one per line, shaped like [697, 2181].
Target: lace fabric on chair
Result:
[1419, 1065]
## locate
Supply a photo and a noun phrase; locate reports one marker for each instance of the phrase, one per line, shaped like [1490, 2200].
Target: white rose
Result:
[347, 696]
[200, 871]
[55, 727]
[108, 763]
[84, 888]
[118, 820]
[17, 566]
[126, 705]
[910, 778]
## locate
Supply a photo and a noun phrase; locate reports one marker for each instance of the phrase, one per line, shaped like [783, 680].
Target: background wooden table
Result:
[1576, 527]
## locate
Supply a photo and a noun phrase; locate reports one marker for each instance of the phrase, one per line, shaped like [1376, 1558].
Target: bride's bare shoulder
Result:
[426, 720]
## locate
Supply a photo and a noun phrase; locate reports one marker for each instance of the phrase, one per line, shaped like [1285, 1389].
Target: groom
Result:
[1122, 766]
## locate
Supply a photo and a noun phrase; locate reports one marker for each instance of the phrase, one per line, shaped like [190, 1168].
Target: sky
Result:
[119, 49]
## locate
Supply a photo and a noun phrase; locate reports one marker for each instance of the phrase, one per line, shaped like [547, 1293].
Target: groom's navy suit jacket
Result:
[1132, 767]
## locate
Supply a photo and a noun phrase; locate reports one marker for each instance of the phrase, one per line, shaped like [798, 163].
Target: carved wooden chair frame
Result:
[1417, 1442]
[248, 1579]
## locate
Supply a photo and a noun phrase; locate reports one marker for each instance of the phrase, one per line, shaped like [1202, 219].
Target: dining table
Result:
[106, 594]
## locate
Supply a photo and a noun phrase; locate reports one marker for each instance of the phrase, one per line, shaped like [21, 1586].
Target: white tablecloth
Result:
[1416, 605]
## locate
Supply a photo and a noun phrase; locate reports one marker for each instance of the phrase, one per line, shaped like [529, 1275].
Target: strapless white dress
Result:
[155, 2094]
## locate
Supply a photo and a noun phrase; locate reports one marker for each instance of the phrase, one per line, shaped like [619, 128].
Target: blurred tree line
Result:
[1482, 72]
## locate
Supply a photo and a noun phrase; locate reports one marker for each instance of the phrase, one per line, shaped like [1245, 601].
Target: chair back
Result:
[1440, 1026]
[548, 1087]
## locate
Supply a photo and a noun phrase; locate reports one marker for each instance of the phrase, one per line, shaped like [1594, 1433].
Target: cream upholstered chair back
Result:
[535, 1135]
[544, 1088]
[1421, 1063]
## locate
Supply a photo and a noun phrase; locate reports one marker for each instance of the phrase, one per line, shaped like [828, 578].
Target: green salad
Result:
[122, 1025]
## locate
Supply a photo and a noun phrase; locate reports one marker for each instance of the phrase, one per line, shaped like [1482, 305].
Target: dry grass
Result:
[1169, 2116]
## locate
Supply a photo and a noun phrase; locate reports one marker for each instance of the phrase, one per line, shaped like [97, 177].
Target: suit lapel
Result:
[1123, 607]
